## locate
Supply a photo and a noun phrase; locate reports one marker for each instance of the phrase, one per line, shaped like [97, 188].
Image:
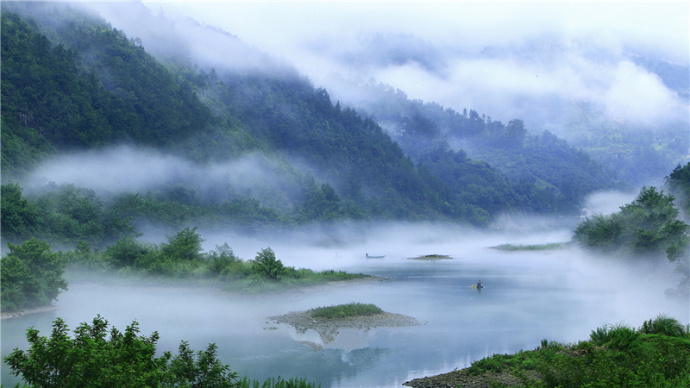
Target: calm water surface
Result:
[528, 296]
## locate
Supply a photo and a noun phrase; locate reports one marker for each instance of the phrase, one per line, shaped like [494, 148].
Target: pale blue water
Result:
[528, 296]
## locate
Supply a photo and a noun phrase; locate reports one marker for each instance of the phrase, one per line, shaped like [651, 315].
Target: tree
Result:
[123, 360]
[648, 225]
[185, 245]
[20, 217]
[266, 264]
[126, 252]
[31, 275]
[678, 183]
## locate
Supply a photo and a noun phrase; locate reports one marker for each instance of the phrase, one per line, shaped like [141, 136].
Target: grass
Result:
[614, 356]
[276, 383]
[433, 256]
[532, 247]
[292, 279]
[344, 311]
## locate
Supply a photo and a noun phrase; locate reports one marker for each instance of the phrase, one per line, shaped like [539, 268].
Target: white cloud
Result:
[637, 95]
[503, 59]
[131, 170]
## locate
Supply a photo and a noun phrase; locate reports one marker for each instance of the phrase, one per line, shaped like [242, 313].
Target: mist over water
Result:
[560, 295]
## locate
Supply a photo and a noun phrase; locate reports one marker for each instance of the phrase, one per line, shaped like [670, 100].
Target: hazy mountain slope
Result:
[121, 94]
[197, 42]
[540, 166]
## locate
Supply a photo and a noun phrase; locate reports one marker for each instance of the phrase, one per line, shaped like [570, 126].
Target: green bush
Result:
[665, 325]
[266, 265]
[345, 310]
[618, 336]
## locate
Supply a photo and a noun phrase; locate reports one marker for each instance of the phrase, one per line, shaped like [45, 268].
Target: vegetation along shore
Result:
[657, 354]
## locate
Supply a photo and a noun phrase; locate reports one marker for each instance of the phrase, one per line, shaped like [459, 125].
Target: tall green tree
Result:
[31, 275]
[648, 225]
[185, 245]
[678, 183]
[20, 218]
[266, 265]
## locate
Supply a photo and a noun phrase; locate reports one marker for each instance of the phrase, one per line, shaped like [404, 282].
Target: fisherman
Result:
[479, 284]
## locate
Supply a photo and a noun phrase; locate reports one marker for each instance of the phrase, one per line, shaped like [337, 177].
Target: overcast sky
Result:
[495, 57]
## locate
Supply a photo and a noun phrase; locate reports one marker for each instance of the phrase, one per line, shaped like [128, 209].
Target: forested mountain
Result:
[551, 174]
[72, 83]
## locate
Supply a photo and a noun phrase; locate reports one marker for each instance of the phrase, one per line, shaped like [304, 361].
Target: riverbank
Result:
[462, 378]
[21, 313]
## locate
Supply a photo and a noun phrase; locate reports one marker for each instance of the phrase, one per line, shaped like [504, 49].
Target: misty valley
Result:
[558, 294]
[181, 207]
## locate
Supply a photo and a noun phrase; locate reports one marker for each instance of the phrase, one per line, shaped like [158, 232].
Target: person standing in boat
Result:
[479, 284]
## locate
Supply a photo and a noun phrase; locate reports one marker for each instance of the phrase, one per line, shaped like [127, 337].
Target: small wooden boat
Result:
[375, 257]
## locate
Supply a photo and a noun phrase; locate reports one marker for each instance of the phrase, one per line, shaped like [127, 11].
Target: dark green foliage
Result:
[31, 276]
[601, 232]
[614, 336]
[20, 218]
[615, 356]
[277, 383]
[345, 310]
[678, 183]
[93, 86]
[648, 225]
[265, 264]
[185, 245]
[127, 252]
[222, 258]
[495, 363]
[61, 214]
[122, 360]
[663, 325]
[322, 204]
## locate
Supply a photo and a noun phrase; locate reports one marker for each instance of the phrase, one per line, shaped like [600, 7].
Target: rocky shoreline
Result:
[328, 328]
[461, 378]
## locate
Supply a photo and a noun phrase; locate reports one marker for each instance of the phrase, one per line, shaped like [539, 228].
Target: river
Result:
[560, 295]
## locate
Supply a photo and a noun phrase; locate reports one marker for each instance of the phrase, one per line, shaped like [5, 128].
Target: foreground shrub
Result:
[123, 360]
[663, 324]
[277, 383]
[618, 336]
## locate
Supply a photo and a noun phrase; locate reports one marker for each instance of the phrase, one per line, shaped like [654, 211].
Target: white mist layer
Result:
[130, 170]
